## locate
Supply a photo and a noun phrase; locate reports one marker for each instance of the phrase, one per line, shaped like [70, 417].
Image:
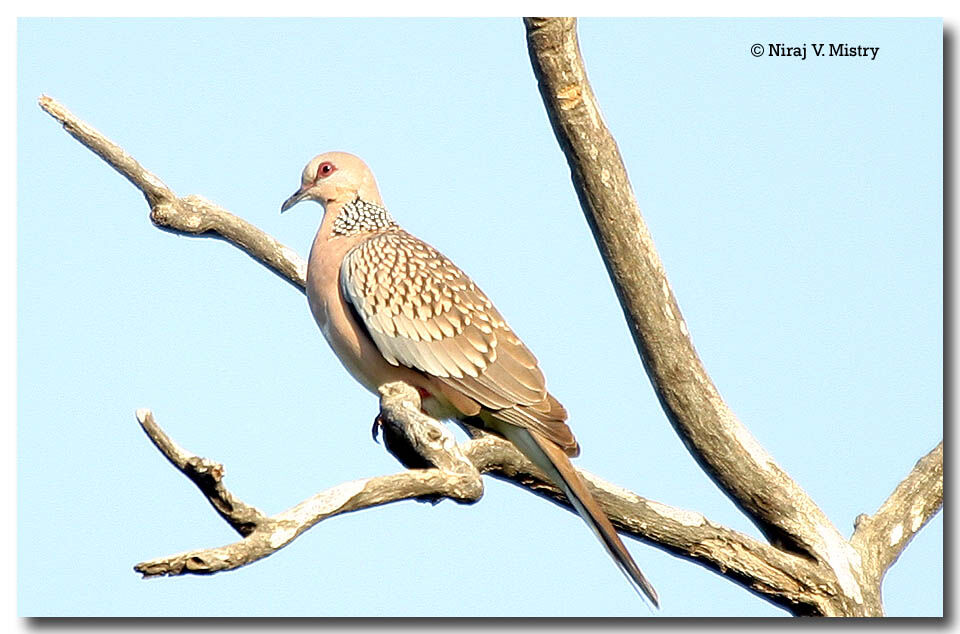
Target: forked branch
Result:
[454, 472]
[263, 535]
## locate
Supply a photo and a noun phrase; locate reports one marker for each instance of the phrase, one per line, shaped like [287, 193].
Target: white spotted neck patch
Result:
[361, 216]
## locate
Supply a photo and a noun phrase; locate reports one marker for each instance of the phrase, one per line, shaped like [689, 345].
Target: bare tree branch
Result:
[783, 578]
[153, 188]
[193, 215]
[882, 537]
[719, 442]
[206, 474]
[263, 535]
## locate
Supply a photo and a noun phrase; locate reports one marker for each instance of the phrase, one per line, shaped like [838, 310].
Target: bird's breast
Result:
[331, 311]
[347, 337]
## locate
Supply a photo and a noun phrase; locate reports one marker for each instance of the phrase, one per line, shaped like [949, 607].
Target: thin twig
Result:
[206, 474]
[191, 215]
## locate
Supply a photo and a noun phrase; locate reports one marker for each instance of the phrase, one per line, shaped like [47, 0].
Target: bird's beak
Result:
[298, 195]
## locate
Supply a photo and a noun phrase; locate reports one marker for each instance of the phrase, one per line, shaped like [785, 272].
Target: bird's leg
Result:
[474, 427]
[424, 395]
[378, 422]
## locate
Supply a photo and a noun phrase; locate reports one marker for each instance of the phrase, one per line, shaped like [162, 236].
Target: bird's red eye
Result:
[325, 169]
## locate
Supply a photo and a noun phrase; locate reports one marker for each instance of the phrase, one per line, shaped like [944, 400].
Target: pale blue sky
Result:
[796, 204]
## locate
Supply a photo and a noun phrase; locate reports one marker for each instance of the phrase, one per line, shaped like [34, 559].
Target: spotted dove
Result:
[393, 308]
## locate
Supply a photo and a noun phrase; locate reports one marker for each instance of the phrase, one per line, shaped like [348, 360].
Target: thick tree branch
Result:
[785, 579]
[882, 537]
[719, 442]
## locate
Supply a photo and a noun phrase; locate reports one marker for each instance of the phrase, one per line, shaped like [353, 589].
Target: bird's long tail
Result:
[550, 459]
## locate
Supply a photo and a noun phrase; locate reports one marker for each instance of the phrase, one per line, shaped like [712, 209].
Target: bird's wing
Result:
[423, 312]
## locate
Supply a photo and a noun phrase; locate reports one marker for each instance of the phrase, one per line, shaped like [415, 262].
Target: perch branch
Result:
[790, 581]
[264, 535]
[782, 578]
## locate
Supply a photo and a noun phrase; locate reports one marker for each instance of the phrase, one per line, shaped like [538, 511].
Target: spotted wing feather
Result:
[423, 312]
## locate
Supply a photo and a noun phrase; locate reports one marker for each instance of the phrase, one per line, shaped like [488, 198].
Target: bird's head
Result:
[335, 177]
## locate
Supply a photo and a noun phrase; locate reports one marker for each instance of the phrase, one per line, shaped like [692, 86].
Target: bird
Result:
[393, 308]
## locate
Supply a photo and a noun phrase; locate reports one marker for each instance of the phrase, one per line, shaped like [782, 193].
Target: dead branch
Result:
[263, 535]
[710, 430]
[782, 578]
[192, 215]
[882, 537]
